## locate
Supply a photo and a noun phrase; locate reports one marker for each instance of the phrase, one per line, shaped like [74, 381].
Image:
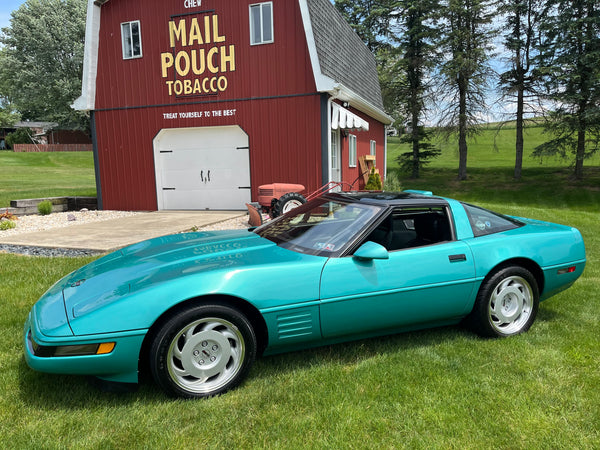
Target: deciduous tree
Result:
[42, 59]
[8, 115]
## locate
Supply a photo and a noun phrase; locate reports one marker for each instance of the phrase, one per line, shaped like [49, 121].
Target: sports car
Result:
[198, 308]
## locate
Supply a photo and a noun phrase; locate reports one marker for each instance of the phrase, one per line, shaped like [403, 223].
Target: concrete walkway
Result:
[109, 235]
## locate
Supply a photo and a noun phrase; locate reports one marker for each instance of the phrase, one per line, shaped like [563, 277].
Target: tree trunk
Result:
[580, 153]
[519, 145]
[415, 141]
[462, 128]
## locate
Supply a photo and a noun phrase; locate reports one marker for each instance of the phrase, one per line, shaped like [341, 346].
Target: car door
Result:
[429, 283]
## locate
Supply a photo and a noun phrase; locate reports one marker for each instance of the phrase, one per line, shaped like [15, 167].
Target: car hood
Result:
[161, 260]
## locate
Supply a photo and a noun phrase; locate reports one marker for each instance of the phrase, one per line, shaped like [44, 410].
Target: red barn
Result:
[195, 103]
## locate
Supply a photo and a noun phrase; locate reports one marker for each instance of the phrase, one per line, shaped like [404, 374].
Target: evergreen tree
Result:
[392, 82]
[370, 19]
[465, 71]
[422, 150]
[373, 20]
[400, 35]
[518, 83]
[416, 38]
[569, 63]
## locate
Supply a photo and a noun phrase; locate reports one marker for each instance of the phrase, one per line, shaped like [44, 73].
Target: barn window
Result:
[352, 146]
[373, 148]
[132, 39]
[261, 23]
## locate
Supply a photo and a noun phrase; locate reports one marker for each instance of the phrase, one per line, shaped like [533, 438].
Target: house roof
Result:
[45, 126]
[342, 64]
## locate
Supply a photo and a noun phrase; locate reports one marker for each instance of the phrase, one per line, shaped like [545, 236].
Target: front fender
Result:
[266, 285]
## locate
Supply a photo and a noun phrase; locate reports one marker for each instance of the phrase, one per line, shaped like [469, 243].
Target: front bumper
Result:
[120, 365]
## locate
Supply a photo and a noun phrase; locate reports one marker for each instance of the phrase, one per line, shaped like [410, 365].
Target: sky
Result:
[6, 7]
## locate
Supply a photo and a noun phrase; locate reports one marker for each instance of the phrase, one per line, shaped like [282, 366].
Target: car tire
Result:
[203, 351]
[506, 304]
[287, 202]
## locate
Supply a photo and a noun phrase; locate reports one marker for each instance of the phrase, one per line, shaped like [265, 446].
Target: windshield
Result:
[320, 227]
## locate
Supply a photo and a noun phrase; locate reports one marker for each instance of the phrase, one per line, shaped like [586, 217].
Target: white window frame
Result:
[128, 47]
[373, 148]
[335, 149]
[263, 12]
[352, 150]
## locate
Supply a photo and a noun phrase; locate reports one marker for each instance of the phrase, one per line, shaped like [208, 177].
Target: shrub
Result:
[7, 225]
[392, 181]
[374, 182]
[45, 207]
[7, 215]
[20, 136]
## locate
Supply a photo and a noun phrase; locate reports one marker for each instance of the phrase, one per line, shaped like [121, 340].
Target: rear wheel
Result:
[287, 202]
[507, 303]
[203, 351]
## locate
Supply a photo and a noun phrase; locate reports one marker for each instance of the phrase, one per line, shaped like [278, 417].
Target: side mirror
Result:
[371, 250]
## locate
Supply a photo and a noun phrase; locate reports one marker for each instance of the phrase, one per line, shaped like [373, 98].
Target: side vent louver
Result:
[294, 325]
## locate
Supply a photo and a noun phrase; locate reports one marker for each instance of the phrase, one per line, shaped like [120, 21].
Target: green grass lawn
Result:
[441, 388]
[35, 175]
[545, 183]
[492, 147]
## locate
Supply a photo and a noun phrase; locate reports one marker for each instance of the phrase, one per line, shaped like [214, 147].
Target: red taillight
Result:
[567, 270]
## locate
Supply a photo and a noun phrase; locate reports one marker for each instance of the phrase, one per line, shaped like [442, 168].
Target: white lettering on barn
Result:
[200, 114]
[192, 3]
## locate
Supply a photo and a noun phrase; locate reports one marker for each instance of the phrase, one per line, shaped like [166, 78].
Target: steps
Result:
[59, 204]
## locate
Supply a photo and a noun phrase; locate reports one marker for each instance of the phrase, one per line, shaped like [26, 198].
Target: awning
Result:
[343, 119]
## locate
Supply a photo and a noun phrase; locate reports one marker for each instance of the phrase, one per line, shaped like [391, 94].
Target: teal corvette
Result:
[196, 309]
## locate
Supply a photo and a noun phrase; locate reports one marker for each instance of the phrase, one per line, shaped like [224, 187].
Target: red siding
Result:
[271, 95]
[284, 145]
[363, 147]
[281, 68]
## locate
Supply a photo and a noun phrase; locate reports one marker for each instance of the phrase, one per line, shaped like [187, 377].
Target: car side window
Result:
[484, 222]
[414, 227]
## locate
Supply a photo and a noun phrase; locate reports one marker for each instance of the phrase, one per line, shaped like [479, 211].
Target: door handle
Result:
[457, 258]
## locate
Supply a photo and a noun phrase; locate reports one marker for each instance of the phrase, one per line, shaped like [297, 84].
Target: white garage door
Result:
[202, 168]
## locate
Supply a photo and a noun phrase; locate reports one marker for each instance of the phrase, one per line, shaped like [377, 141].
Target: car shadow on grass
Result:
[73, 392]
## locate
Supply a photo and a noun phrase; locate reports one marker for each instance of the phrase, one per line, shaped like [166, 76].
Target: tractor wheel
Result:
[287, 202]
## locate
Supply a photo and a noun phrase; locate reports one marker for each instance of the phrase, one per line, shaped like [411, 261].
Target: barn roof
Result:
[342, 55]
[342, 64]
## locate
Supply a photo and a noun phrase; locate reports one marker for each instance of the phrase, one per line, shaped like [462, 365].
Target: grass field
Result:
[492, 147]
[434, 389]
[35, 175]
[545, 183]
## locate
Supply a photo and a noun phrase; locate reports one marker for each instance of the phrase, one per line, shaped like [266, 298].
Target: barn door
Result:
[202, 168]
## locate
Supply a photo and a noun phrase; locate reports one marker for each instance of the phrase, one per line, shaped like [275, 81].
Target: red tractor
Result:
[278, 198]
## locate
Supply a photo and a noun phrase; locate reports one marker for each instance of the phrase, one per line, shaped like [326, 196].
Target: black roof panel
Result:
[391, 198]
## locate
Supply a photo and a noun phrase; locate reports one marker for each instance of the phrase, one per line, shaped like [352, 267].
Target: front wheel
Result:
[203, 351]
[507, 303]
